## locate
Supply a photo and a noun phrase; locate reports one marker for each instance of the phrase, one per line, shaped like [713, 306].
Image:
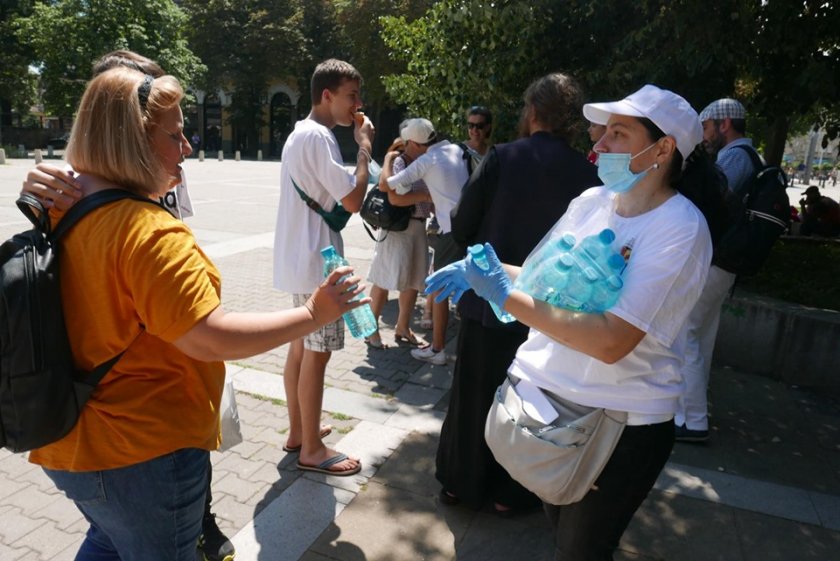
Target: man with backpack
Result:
[724, 127]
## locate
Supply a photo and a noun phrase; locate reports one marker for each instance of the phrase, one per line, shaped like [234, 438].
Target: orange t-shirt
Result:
[126, 266]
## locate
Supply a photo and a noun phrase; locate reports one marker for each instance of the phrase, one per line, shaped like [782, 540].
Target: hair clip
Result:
[144, 90]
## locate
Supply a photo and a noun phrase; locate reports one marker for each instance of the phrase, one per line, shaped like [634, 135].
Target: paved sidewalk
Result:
[766, 487]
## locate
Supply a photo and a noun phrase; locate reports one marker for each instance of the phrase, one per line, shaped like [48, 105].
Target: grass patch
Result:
[344, 430]
[274, 400]
[340, 416]
[283, 431]
[800, 270]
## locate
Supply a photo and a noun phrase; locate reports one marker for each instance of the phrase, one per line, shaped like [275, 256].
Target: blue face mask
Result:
[614, 170]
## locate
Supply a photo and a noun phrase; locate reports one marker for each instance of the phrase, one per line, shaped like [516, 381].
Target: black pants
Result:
[590, 529]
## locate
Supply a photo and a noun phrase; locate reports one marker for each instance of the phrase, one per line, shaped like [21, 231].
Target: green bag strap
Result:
[310, 202]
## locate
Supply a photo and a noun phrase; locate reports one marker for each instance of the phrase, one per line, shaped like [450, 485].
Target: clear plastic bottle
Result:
[361, 320]
[374, 171]
[606, 291]
[551, 250]
[480, 258]
[578, 289]
[551, 278]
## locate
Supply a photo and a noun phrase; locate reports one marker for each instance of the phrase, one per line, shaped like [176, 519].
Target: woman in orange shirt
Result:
[136, 462]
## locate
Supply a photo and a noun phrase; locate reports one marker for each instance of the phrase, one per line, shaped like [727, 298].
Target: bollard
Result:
[22, 151]
[2, 157]
[236, 156]
[201, 155]
[50, 151]
[221, 156]
[259, 155]
[38, 157]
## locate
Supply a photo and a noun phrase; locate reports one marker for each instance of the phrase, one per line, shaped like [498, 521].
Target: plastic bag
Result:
[231, 431]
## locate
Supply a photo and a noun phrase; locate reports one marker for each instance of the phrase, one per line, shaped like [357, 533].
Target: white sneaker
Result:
[430, 355]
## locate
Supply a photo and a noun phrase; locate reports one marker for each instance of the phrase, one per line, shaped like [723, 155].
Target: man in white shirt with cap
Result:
[443, 170]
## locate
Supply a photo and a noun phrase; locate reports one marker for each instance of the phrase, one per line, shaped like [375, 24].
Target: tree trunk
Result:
[776, 137]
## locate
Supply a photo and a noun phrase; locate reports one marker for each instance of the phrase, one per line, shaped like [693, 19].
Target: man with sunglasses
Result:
[479, 127]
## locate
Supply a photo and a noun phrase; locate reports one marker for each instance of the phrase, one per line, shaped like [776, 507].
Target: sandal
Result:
[326, 430]
[375, 341]
[409, 339]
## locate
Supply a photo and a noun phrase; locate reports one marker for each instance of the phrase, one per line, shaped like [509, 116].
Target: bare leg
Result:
[291, 379]
[408, 298]
[310, 396]
[378, 299]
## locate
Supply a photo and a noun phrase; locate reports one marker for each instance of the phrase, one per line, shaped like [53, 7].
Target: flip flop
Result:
[326, 430]
[324, 467]
[375, 341]
[409, 339]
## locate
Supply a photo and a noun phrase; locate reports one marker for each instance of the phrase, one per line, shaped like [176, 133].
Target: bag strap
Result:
[28, 204]
[92, 202]
[309, 201]
[756, 160]
[85, 385]
[369, 233]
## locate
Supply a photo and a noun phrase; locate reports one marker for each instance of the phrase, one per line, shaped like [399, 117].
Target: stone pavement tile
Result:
[412, 466]
[764, 538]
[434, 376]
[8, 553]
[286, 527]
[40, 480]
[30, 499]
[669, 526]
[764, 429]
[15, 525]
[733, 490]
[385, 523]
[240, 488]
[828, 510]
[366, 407]
[9, 487]
[417, 419]
[420, 396]
[47, 540]
[490, 538]
[64, 513]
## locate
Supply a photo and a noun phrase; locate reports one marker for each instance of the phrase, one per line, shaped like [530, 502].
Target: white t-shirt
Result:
[668, 251]
[310, 156]
[443, 170]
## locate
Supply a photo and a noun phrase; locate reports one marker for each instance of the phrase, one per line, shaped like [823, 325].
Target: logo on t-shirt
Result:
[626, 250]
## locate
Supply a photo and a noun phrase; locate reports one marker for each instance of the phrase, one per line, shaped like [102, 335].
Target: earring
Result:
[655, 165]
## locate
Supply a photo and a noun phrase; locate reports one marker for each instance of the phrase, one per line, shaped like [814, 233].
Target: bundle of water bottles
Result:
[583, 277]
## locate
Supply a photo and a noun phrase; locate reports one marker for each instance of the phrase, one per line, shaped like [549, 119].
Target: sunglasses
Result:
[479, 126]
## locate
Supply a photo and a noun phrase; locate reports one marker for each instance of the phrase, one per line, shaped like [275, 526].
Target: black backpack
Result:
[41, 393]
[378, 211]
[759, 214]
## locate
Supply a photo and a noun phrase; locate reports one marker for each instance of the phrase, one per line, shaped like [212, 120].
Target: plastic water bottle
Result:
[550, 250]
[361, 320]
[606, 291]
[374, 171]
[550, 278]
[578, 290]
[480, 258]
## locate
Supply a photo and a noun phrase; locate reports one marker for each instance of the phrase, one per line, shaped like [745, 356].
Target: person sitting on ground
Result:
[820, 214]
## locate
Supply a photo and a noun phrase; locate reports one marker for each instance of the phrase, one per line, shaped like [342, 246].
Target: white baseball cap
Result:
[670, 112]
[420, 131]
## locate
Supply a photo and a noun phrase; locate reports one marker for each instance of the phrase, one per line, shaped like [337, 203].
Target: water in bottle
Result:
[361, 320]
[550, 278]
[606, 291]
[374, 171]
[550, 250]
[480, 259]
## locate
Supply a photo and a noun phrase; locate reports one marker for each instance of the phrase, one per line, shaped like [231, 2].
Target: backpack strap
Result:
[28, 204]
[756, 160]
[85, 384]
[92, 202]
[309, 201]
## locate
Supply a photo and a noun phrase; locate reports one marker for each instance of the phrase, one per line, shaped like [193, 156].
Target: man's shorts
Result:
[327, 339]
[446, 251]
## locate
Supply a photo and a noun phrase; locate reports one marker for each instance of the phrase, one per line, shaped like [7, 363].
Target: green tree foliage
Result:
[17, 83]
[466, 52]
[246, 44]
[67, 36]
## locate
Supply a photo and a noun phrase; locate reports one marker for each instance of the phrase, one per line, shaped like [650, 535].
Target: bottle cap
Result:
[328, 251]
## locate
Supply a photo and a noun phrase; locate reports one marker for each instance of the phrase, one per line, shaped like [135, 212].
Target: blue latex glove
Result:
[449, 281]
[492, 284]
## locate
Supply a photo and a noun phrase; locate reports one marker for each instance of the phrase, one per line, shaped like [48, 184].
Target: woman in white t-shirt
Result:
[661, 197]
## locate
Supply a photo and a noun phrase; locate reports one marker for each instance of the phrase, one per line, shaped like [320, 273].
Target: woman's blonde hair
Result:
[112, 131]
